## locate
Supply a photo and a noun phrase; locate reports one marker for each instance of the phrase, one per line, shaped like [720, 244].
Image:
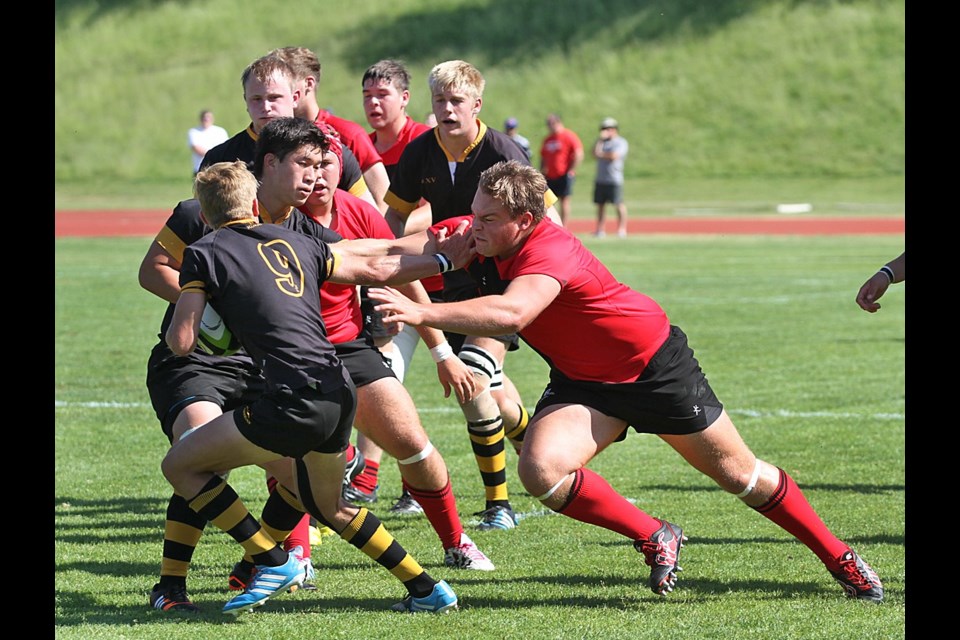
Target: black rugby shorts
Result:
[671, 396]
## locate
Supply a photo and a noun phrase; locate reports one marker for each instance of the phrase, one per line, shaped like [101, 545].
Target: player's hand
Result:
[459, 247]
[395, 307]
[455, 375]
[871, 291]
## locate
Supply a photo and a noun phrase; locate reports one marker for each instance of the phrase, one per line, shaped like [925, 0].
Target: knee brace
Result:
[480, 361]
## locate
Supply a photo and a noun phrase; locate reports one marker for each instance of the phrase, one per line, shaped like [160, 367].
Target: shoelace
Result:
[658, 552]
[860, 578]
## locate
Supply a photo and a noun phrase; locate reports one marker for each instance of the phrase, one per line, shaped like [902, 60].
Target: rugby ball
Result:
[215, 338]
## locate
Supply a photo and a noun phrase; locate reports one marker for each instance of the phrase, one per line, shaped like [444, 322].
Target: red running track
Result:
[149, 222]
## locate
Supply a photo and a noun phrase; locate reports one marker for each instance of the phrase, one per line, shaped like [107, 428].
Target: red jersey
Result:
[558, 152]
[339, 305]
[596, 329]
[354, 136]
[411, 129]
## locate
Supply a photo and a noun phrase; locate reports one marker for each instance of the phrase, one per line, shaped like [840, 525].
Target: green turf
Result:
[814, 384]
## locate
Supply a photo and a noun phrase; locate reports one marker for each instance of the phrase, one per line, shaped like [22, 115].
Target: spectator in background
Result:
[204, 137]
[610, 149]
[874, 288]
[510, 128]
[560, 155]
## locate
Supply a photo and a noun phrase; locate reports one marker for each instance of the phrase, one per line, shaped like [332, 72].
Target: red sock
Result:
[351, 452]
[789, 508]
[440, 507]
[594, 501]
[367, 480]
[300, 536]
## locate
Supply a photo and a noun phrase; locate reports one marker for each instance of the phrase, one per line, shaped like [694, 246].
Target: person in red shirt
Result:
[560, 155]
[386, 93]
[629, 367]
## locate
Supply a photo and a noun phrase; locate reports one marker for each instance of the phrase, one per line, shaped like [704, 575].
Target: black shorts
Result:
[372, 319]
[671, 396]
[175, 382]
[562, 186]
[364, 361]
[604, 193]
[294, 422]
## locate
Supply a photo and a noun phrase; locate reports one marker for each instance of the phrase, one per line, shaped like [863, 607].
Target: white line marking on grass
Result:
[750, 413]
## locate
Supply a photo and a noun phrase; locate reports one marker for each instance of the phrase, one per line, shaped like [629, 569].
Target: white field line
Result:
[750, 413]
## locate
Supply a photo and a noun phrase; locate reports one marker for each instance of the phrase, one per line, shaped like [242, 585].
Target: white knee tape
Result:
[479, 359]
[552, 490]
[496, 382]
[406, 341]
[417, 457]
[753, 481]
[397, 363]
[188, 432]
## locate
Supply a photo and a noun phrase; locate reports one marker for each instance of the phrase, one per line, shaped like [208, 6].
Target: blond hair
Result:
[456, 75]
[517, 186]
[226, 191]
[267, 68]
[302, 61]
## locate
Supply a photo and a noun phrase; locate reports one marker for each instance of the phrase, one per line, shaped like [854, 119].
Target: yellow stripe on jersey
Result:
[171, 243]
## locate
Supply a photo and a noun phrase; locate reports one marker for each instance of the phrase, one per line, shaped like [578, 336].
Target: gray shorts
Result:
[604, 193]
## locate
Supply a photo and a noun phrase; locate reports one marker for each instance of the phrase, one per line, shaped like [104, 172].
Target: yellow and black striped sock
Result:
[220, 504]
[516, 434]
[281, 513]
[181, 534]
[368, 534]
[488, 449]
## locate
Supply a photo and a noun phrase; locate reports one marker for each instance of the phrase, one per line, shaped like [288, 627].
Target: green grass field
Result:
[816, 386]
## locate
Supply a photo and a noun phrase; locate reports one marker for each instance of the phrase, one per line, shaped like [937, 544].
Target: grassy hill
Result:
[747, 92]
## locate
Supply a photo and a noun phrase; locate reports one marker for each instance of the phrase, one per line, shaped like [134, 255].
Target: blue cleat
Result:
[497, 517]
[267, 581]
[441, 600]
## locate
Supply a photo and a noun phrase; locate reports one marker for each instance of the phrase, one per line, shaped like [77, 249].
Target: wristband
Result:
[441, 352]
[887, 271]
[444, 262]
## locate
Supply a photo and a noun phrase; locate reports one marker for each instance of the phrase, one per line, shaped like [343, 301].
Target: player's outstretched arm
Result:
[877, 285]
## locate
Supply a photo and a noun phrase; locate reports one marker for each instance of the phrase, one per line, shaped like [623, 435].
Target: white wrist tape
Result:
[441, 352]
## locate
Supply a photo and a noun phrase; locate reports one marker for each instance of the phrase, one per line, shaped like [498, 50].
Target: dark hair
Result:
[284, 136]
[388, 70]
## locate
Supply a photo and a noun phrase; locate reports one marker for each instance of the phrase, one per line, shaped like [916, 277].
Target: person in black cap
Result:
[510, 128]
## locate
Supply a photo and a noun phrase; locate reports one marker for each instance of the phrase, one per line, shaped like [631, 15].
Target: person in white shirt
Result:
[204, 137]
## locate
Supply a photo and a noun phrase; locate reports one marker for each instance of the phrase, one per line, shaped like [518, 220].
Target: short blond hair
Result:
[266, 68]
[226, 191]
[516, 186]
[456, 75]
[302, 61]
